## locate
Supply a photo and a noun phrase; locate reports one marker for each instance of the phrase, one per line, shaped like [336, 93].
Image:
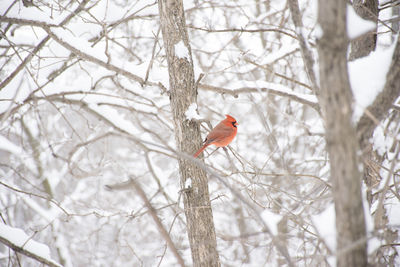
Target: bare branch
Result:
[266, 67]
[242, 30]
[305, 50]
[36, 195]
[236, 92]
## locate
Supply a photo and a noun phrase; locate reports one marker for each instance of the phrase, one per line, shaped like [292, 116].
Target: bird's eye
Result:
[234, 123]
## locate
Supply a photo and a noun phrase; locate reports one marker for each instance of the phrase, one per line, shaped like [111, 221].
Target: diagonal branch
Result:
[159, 224]
[383, 102]
[305, 50]
[91, 58]
[28, 58]
[28, 253]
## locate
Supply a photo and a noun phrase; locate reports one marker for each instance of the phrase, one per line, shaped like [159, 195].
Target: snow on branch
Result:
[29, 22]
[92, 55]
[384, 101]
[40, 45]
[20, 242]
[92, 58]
[356, 25]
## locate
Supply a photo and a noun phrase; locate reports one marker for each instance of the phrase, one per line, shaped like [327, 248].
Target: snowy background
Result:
[90, 108]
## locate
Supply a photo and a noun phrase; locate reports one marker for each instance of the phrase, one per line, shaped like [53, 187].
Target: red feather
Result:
[222, 134]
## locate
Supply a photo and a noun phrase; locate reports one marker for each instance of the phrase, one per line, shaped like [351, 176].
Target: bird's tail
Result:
[200, 150]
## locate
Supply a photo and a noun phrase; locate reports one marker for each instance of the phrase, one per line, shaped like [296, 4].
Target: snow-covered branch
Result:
[384, 101]
[40, 45]
[29, 22]
[20, 242]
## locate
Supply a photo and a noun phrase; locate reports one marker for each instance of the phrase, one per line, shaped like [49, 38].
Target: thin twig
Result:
[153, 52]
[35, 195]
[380, 209]
[236, 92]
[242, 30]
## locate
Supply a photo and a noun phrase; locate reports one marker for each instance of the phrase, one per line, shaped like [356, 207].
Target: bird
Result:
[222, 134]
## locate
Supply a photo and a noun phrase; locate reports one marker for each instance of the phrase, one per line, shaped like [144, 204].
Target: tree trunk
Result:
[183, 93]
[365, 44]
[341, 139]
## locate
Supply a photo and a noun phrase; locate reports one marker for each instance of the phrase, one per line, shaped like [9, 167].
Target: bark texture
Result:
[342, 145]
[366, 43]
[183, 92]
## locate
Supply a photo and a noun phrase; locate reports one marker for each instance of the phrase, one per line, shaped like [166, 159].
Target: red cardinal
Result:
[221, 135]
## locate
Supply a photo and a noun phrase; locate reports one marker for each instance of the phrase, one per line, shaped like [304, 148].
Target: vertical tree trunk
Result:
[200, 225]
[342, 145]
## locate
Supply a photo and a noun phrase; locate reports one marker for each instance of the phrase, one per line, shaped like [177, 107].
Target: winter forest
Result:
[103, 104]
